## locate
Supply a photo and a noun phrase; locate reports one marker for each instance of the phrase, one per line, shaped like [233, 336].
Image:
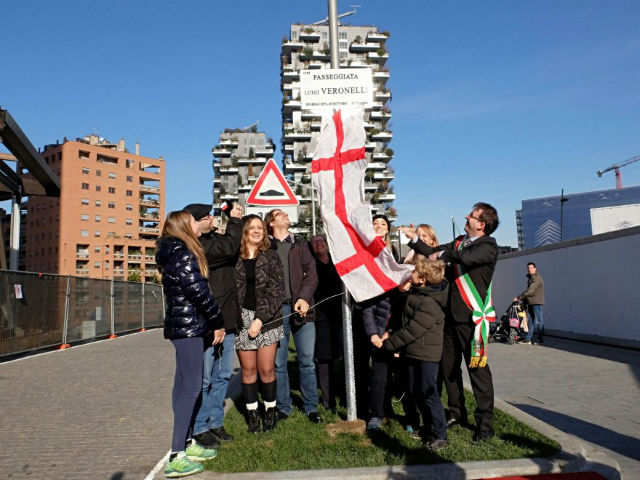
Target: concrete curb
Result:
[572, 457]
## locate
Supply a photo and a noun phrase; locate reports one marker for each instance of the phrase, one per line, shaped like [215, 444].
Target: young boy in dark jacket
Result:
[421, 340]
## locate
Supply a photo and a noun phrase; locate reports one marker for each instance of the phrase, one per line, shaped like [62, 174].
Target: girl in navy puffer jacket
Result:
[191, 313]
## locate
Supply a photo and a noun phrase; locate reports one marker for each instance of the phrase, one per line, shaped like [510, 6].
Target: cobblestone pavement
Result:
[97, 411]
[589, 391]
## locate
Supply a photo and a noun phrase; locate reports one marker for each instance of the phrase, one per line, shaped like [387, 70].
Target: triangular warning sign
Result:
[271, 188]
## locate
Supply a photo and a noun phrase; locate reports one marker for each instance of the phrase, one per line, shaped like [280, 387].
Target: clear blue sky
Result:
[496, 101]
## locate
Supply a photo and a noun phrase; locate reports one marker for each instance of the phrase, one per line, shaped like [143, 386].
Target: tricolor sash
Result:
[481, 312]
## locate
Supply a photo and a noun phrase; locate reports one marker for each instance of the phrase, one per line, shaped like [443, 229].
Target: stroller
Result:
[511, 323]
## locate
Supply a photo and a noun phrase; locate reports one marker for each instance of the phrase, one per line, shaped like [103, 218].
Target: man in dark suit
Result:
[474, 254]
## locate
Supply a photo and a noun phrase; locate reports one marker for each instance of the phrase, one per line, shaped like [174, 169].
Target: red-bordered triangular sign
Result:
[271, 188]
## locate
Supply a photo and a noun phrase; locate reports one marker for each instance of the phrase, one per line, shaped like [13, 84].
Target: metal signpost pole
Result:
[313, 211]
[349, 372]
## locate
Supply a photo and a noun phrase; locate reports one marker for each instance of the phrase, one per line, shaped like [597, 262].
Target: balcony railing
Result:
[151, 231]
[376, 37]
[310, 36]
[364, 47]
[149, 188]
[221, 152]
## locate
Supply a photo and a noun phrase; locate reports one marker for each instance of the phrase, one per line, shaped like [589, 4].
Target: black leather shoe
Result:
[314, 417]
[222, 434]
[207, 439]
[269, 420]
[281, 415]
[253, 421]
[484, 435]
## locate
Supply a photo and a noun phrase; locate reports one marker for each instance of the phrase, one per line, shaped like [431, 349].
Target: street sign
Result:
[271, 189]
[336, 88]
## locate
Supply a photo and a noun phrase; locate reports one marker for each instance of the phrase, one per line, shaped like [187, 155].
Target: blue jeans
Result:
[218, 368]
[536, 322]
[304, 339]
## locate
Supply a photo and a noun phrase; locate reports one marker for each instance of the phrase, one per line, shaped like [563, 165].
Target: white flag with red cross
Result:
[338, 167]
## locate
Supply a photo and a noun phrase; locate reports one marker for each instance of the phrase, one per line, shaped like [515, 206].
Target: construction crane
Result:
[616, 167]
[346, 14]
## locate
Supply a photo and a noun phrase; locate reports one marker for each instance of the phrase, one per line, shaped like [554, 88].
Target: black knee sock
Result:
[250, 392]
[268, 391]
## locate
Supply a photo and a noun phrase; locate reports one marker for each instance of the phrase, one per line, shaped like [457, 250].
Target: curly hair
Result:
[431, 270]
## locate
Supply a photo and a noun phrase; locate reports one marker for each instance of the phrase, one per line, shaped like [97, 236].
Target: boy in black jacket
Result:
[421, 337]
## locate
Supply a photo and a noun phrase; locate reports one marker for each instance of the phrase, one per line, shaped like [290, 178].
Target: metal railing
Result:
[45, 310]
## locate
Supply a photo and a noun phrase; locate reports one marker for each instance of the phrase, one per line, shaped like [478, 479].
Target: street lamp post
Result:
[562, 200]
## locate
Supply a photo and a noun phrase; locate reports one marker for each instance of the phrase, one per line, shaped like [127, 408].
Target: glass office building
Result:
[543, 221]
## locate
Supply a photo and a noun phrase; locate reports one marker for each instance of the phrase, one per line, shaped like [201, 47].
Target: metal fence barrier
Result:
[45, 310]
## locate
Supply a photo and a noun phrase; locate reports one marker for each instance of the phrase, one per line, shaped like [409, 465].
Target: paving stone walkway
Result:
[103, 410]
[97, 411]
[586, 390]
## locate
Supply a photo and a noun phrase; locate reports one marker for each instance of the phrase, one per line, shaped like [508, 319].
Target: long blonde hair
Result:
[178, 225]
[430, 231]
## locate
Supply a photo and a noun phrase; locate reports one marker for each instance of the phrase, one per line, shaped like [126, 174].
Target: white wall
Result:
[592, 285]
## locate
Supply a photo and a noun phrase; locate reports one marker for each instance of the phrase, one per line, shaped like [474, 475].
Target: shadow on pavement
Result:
[604, 437]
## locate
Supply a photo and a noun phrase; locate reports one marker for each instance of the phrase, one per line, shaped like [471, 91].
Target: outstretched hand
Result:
[409, 232]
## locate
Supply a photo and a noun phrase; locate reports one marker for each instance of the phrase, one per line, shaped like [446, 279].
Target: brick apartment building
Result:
[108, 216]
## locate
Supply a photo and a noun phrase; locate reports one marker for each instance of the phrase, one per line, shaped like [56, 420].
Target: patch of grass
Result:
[297, 444]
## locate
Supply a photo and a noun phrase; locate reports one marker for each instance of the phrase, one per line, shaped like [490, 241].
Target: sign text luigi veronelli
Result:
[334, 88]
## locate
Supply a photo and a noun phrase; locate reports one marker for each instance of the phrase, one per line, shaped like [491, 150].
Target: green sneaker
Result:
[181, 466]
[198, 453]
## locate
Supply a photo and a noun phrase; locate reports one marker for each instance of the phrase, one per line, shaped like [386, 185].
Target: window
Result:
[84, 217]
[325, 36]
[129, 163]
[85, 201]
[129, 178]
[112, 220]
[86, 171]
[83, 154]
[129, 208]
[85, 186]
[98, 218]
[96, 249]
[97, 234]
[98, 203]
[111, 205]
[128, 235]
[84, 233]
[97, 265]
[98, 188]
[112, 189]
[294, 35]
[128, 221]
[342, 35]
[106, 265]
[98, 173]
[342, 45]
[112, 175]
[129, 193]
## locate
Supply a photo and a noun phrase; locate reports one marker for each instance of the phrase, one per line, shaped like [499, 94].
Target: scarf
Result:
[481, 312]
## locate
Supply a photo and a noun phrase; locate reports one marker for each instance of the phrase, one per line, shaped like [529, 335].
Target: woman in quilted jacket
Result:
[260, 282]
[191, 313]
